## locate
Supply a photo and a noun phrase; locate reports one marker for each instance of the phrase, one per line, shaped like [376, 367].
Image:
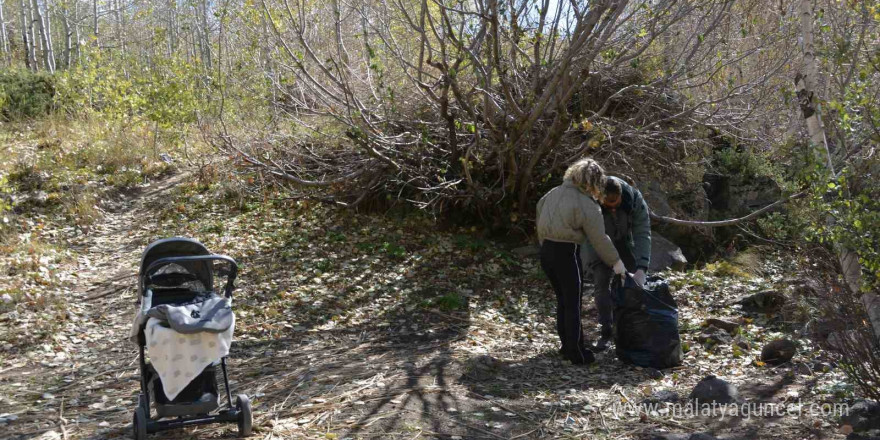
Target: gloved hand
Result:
[619, 270]
[639, 277]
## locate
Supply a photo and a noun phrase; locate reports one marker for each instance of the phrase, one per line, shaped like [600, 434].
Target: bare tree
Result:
[475, 102]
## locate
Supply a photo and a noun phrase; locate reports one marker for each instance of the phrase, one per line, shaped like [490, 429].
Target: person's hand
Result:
[619, 270]
[639, 277]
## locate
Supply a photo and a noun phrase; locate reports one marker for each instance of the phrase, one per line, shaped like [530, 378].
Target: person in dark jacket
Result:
[567, 216]
[628, 223]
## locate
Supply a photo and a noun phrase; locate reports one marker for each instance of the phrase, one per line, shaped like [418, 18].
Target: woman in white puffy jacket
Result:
[567, 215]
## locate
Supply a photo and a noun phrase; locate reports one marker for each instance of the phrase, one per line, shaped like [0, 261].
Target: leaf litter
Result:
[359, 326]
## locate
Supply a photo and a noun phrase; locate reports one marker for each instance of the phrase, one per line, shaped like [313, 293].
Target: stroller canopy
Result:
[176, 247]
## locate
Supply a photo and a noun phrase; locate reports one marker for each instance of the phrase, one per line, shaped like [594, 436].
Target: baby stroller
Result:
[175, 283]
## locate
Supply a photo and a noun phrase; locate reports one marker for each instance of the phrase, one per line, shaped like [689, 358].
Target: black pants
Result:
[562, 264]
[602, 275]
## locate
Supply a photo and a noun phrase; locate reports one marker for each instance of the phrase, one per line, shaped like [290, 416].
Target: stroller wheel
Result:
[139, 424]
[245, 417]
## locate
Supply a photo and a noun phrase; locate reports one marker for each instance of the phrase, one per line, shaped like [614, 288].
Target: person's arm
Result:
[641, 231]
[593, 226]
[538, 220]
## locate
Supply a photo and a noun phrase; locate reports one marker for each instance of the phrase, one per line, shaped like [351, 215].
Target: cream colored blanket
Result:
[178, 358]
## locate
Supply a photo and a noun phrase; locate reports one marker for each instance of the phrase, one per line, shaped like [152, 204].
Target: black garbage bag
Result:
[646, 323]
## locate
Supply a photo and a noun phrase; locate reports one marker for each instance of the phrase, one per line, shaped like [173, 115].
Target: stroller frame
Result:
[197, 258]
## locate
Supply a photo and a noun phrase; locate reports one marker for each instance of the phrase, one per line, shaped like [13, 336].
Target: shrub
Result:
[25, 94]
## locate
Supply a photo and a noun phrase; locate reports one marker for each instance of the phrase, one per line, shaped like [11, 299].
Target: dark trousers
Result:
[562, 264]
[602, 275]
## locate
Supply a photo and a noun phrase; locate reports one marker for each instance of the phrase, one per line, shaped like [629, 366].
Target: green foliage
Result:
[450, 302]
[846, 211]
[163, 92]
[740, 162]
[727, 269]
[25, 94]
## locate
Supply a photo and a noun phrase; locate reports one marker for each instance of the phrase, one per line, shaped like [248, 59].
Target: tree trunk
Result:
[24, 37]
[44, 37]
[47, 19]
[805, 85]
[206, 36]
[76, 35]
[27, 29]
[68, 34]
[95, 22]
[172, 27]
[3, 43]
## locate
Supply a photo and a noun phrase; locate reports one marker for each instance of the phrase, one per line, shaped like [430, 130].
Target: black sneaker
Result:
[602, 344]
[586, 358]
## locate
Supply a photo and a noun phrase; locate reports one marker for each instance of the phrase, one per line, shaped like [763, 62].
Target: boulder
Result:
[742, 343]
[654, 373]
[766, 301]
[714, 390]
[870, 435]
[665, 254]
[686, 203]
[863, 416]
[778, 352]
[714, 336]
[728, 326]
[527, 251]
[871, 301]
[737, 195]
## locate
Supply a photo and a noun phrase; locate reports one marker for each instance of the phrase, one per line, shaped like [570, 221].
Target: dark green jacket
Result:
[629, 226]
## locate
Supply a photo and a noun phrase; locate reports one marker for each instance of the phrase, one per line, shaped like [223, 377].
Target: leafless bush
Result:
[473, 104]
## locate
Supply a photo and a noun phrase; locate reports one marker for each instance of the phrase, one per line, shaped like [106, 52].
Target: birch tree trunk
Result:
[95, 22]
[172, 27]
[68, 33]
[47, 19]
[44, 38]
[27, 31]
[206, 36]
[24, 36]
[3, 43]
[805, 85]
[76, 35]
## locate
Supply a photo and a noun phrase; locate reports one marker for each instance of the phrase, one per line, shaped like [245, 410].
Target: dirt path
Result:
[342, 335]
[79, 383]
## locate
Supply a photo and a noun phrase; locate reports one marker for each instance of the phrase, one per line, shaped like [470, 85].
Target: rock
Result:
[870, 435]
[714, 390]
[654, 373]
[665, 254]
[686, 203]
[736, 195]
[804, 287]
[863, 416]
[482, 367]
[730, 327]
[767, 301]
[49, 435]
[663, 396]
[527, 251]
[714, 336]
[742, 343]
[778, 352]
[871, 301]
[802, 369]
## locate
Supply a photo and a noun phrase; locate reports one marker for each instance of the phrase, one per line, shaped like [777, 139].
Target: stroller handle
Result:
[233, 265]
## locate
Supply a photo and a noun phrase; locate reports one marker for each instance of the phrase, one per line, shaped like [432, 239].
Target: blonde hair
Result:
[588, 175]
